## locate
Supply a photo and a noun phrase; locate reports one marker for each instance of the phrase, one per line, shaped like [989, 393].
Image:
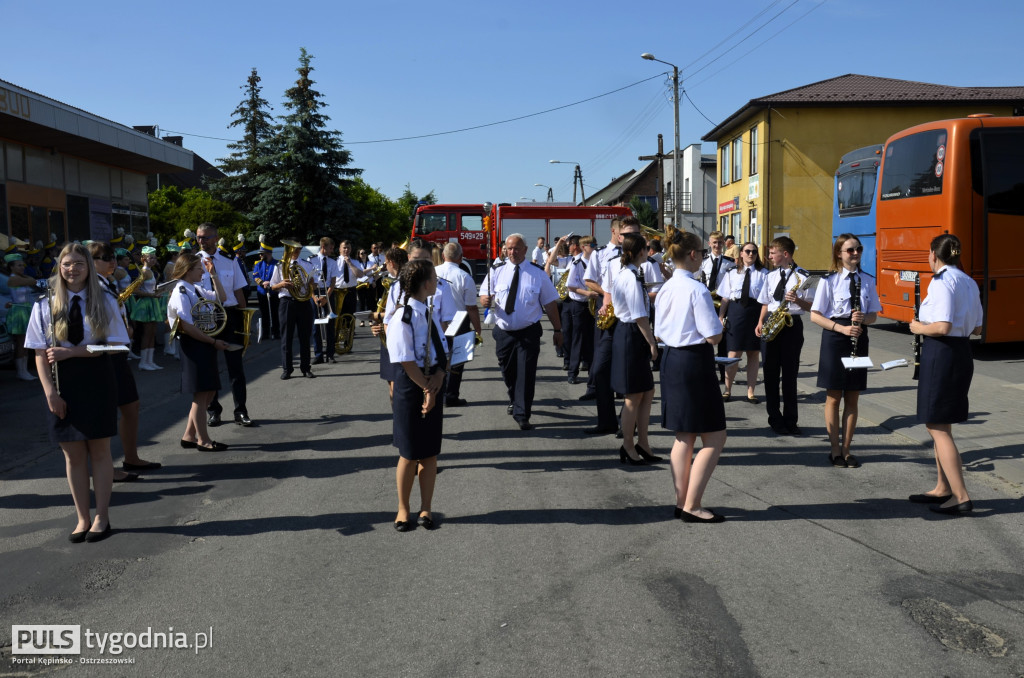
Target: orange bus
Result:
[966, 177]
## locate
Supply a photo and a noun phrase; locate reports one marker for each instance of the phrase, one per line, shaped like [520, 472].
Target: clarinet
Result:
[917, 316]
[854, 308]
[428, 369]
[54, 372]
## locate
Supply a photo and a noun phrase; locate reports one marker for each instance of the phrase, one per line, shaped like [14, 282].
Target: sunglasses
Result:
[105, 257]
[854, 250]
[750, 251]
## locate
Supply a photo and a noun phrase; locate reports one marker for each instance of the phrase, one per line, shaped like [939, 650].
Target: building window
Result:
[725, 165]
[737, 159]
[754, 231]
[723, 224]
[737, 225]
[753, 150]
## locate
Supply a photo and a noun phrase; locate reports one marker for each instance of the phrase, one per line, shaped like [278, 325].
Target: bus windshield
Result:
[914, 165]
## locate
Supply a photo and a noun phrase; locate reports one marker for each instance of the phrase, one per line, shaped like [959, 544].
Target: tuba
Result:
[294, 273]
[779, 318]
[344, 325]
[562, 286]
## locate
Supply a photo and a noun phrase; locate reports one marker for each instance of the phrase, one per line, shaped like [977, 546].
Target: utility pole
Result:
[660, 157]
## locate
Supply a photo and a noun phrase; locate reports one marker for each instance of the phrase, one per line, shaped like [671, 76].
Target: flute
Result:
[54, 372]
[428, 370]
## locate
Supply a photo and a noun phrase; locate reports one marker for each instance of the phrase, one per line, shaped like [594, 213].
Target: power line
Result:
[731, 35]
[752, 34]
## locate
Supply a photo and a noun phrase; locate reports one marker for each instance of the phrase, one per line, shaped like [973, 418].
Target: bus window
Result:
[856, 190]
[914, 166]
[432, 222]
[1002, 166]
[472, 222]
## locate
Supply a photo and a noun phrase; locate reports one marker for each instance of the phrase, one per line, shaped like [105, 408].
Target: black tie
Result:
[76, 328]
[510, 303]
[780, 290]
[435, 339]
[716, 262]
[745, 291]
[345, 264]
[324, 274]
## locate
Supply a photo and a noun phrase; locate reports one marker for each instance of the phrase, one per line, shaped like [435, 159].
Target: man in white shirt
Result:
[540, 254]
[234, 283]
[325, 273]
[464, 292]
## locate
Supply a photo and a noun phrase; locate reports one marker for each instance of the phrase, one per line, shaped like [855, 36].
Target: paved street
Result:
[550, 558]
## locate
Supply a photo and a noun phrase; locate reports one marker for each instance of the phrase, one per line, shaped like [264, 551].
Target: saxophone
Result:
[780, 317]
[134, 285]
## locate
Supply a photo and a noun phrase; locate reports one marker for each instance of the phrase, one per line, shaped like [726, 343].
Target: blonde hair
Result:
[95, 304]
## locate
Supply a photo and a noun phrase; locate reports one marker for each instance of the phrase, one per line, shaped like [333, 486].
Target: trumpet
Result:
[779, 318]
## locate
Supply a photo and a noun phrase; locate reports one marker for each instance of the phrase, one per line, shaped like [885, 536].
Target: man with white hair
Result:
[464, 292]
[522, 293]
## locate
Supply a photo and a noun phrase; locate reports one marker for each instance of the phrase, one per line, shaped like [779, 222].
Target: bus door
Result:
[1001, 153]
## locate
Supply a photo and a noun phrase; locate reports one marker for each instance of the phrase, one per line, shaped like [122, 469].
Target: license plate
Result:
[908, 276]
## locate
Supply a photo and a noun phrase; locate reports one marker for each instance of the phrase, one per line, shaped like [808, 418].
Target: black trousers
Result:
[296, 316]
[233, 360]
[601, 379]
[517, 352]
[578, 333]
[782, 356]
[270, 326]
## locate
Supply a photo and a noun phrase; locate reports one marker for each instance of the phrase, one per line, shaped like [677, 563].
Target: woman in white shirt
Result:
[949, 314]
[198, 350]
[845, 303]
[633, 349]
[418, 349]
[686, 322]
[740, 311]
[82, 401]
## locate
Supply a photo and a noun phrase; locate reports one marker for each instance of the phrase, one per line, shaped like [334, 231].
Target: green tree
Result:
[301, 174]
[239, 188]
[172, 210]
[645, 214]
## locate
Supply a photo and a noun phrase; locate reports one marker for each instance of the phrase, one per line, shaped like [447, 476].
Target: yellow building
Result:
[777, 155]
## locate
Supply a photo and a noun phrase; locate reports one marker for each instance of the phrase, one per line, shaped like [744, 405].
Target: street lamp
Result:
[577, 176]
[675, 153]
[551, 191]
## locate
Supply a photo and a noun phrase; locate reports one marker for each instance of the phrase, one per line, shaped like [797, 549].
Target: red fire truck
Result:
[481, 229]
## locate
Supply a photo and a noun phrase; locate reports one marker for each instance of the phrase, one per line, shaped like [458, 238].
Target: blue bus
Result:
[853, 207]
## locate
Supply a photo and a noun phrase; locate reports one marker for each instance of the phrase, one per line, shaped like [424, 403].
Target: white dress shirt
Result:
[37, 333]
[767, 296]
[535, 291]
[832, 297]
[629, 296]
[684, 313]
[408, 339]
[228, 272]
[953, 297]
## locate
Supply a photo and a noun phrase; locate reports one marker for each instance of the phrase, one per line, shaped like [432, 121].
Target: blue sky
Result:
[396, 69]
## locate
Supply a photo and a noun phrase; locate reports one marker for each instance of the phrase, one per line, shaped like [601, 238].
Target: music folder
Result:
[858, 362]
[463, 345]
[105, 348]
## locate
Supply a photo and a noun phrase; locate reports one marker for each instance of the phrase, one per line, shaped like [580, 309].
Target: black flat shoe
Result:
[149, 465]
[404, 525]
[753, 400]
[929, 498]
[214, 446]
[188, 444]
[692, 518]
[726, 397]
[837, 460]
[851, 461]
[77, 537]
[677, 512]
[426, 522]
[92, 537]
[624, 458]
[954, 510]
[647, 456]
[128, 478]
[242, 419]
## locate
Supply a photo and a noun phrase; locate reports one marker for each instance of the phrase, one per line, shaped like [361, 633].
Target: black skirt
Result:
[947, 368]
[87, 386]
[388, 369]
[832, 374]
[199, 371]
[124, 379]
[690, 401]
[415, 436]
[739, 329]
[631, 360]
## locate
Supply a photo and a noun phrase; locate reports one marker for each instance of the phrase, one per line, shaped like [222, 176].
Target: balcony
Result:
[685, 202]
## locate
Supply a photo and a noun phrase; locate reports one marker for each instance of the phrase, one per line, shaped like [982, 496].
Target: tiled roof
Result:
[853, 89]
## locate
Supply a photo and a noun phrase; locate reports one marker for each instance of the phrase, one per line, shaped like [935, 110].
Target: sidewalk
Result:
[990, 441]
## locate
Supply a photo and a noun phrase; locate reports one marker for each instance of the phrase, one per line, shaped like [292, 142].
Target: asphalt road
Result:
[550, 558]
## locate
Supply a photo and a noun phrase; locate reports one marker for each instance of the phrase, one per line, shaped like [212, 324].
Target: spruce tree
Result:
[303, 170]
[239, 187]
